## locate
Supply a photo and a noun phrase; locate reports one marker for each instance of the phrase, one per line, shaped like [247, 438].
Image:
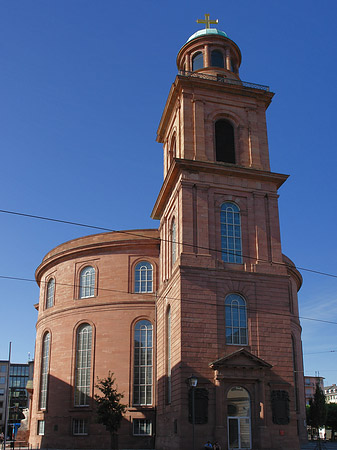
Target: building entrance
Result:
[239, 420]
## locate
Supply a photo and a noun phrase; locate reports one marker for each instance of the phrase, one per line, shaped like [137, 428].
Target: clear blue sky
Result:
[82, 88]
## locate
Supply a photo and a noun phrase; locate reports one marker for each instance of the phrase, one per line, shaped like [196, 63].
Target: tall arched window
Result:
[197, 61]
[143, 277]
[168, 352]
[238, 416]
[87, 282]
[143, 363]
[224, 141]
[236, 320]
[173, 242]
[231, 242]
[44, 371]
[217, 59]
[295, 369]
[83, 365]
[50, 293]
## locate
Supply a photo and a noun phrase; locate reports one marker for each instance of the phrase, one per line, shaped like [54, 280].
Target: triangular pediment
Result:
[240, 358]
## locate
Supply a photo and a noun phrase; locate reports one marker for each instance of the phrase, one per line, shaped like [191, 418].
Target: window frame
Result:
[82, 392]
[144, 421]
[173, 242]
[41, 427]
[230, 148]
[141, 367]
[169, 354]
[197, 56]
[84, 425]
[230, 310]
[218, 51]
[50, 299]
[231, 255]
[44, 371]
[148, 270]
[91, 285]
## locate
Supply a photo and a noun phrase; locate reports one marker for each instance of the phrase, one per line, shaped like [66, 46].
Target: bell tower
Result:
[227, 307]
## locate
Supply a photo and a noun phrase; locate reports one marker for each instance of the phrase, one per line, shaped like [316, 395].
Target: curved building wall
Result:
[66, 419]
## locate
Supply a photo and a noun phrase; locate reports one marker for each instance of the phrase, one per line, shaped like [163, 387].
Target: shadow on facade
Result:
[238, 389]
[66, 426]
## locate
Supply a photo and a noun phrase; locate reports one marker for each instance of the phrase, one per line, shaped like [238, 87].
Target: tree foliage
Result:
[331, 420]
[318, 409]
[109, 409]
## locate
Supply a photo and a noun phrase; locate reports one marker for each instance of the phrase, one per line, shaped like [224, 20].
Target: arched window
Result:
[83, 365]
[295, 369]
[224, 141]
[231, 242]
[217, 59]
[44, 371]
[143, 364]
[238, 416]
[87, 282]
[173, 242]
[236, 320]
[50, 293]
[143, 277]
[197, 61]
[168, 352]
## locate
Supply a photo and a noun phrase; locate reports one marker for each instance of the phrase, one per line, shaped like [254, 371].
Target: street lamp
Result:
[193, 381]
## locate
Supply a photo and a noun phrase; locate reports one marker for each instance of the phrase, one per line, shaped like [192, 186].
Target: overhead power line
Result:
[130, 233]
[153, 296]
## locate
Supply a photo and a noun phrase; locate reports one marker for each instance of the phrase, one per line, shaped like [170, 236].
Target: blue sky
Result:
[82, 88]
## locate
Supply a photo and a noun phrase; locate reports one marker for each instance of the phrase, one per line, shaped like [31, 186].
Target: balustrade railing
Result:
[222, 79]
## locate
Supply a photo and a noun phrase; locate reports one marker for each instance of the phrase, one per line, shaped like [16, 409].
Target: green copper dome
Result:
[205, 32]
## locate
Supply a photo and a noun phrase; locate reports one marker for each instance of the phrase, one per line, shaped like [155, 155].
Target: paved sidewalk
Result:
[325, 445]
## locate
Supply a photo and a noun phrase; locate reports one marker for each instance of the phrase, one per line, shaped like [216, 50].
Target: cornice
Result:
[180, 165]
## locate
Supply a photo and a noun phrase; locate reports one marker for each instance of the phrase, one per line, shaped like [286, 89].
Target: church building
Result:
[198, 320]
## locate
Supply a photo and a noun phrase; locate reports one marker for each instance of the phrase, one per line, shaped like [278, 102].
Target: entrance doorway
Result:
[239, 419]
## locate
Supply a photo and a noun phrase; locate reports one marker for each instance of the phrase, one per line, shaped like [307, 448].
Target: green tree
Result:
[318, 409]
[331, 420]
[109, 409]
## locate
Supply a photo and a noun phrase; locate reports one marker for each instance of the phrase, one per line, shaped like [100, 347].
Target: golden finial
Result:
[207, 21]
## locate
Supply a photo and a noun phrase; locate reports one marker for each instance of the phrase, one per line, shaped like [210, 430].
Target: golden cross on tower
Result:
[207, 21]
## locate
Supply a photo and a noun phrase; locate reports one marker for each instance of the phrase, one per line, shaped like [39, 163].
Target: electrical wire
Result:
[152, 296]
[130, 233]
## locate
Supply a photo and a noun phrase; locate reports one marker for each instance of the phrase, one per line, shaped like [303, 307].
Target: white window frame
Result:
[80, 427]
[83, 365]
[87, 282]
[138, 423]
[44, 371]
[143, 364]
[50, 293]
[143, 277]
[41, 427]
[231, 236]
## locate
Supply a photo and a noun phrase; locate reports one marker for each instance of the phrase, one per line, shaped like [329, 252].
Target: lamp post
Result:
[193, 381]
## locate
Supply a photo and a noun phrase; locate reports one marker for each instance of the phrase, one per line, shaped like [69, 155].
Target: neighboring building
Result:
[310, 386]
[330, 393]
[209, 294]
[3, 387]
[17, 394]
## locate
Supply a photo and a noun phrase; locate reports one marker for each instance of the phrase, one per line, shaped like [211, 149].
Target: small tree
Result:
[317, 412]
[331, 420]
[109, 410]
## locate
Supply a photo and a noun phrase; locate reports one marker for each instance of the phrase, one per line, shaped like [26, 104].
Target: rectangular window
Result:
[142, 427]
[40, 427]
[2, 380]
[2, 391]
[1, 404]
[80, 427]
[3, 369]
